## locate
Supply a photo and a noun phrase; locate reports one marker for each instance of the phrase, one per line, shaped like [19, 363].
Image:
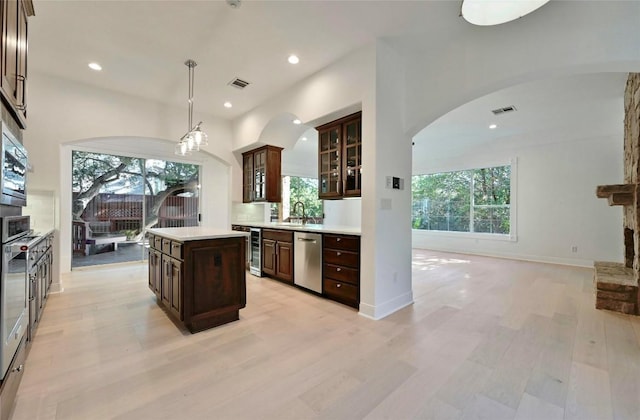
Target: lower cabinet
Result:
[277, 254]
[12, 378]
[171, 292]
[341, 268]
[200, 283]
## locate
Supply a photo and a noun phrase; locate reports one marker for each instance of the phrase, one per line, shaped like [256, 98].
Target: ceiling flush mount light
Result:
[304, 139]
[297, 122]
[293, 59]
[228, 104]
[95, 66]
[493, 126]
[495, 12]
[194, 137]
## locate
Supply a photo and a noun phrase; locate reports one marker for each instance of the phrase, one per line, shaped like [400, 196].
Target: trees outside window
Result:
[125, 195]
[294, 189]
[476, 200]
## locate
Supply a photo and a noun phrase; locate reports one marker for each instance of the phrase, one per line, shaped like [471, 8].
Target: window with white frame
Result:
[475, 200]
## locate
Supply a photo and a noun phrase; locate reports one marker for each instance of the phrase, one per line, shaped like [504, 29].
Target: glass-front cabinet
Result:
[353, 158]
[262, 175]
[330, 176]
[340, 158]
[247, 178]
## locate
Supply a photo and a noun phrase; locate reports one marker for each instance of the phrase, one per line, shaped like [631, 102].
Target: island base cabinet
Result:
[206, 287]
[213, 294]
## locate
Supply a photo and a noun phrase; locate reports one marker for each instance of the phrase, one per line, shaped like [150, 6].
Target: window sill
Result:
[466, 235]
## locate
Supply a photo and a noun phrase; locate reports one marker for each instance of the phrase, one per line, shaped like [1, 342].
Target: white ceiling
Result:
[142, 46]
[548, 111]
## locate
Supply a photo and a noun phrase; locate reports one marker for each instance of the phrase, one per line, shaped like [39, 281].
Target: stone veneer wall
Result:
[632, 167]
[617, 284]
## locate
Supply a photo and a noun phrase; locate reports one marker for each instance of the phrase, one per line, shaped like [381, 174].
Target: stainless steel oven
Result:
[13, 173]
[14, 291]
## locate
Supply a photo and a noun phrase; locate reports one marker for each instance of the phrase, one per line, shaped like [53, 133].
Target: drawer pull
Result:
[338, 269]
[338, 285]
[338, 253]
[17, 369]
[175, 245]
[338, 239]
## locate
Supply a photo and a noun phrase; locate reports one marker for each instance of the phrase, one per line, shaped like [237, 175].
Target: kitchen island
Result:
[198, 274]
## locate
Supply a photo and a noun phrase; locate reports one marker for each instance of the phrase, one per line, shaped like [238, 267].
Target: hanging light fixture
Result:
[194, 137]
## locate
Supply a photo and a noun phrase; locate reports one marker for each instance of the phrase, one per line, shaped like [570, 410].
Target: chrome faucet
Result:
[304, 216]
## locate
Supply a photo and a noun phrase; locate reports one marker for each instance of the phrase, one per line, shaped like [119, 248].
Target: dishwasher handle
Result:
[307, 240]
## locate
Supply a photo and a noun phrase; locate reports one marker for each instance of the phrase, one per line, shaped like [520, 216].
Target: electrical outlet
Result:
[574, 248]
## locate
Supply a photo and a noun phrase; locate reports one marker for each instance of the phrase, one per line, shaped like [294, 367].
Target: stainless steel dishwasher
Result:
[307, 265]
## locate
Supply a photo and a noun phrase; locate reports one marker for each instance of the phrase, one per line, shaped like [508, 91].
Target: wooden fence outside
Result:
[110, 213]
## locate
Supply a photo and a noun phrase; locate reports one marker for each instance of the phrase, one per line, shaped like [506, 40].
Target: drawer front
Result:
[176, 249]
[277, 235]
[346, 274]
[342, 292]
[166, 246]
[339, 257]
[348, 243]
[12, 380]
[157, 243]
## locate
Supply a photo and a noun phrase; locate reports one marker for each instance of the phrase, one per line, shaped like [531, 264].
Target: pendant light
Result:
[194, 137]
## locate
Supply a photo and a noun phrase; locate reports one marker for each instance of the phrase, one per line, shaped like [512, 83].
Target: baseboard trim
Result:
[377, 312]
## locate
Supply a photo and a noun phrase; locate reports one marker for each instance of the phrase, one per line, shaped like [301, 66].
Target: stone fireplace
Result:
[617, 283]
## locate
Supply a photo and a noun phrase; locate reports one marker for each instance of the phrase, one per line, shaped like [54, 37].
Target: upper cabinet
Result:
[340, 158]
[13, 64]
[261, 180]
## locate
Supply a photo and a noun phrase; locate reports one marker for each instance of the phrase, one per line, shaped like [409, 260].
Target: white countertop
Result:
[342, 230]
[195, 233]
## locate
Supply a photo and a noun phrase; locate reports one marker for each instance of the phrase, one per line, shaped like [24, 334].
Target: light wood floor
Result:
[486, 338]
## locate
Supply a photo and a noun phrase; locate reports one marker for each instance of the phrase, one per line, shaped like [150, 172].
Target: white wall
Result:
[596, 36]
[347, 212]
[62, 112]
[385, 262]
[555, 203]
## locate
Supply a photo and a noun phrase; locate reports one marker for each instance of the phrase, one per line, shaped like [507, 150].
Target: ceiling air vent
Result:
[238, 83]
[503, 110]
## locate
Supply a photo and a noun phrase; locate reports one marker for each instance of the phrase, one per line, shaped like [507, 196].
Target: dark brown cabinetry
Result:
[261, 179]
[277, 254]
[340, 158]
[201, 283]
[341, 268]
[13, 80]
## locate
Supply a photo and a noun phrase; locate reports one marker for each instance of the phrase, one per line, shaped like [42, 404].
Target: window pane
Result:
[492, 185]
[442, 201]
[491, 220]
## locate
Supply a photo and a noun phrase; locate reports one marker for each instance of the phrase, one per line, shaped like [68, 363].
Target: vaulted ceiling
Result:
[142, 46]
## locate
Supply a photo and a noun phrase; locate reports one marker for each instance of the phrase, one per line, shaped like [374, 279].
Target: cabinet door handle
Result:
[338, 269]
[23, 81]
[338, 285]
[338, 253]
[338, 239]
[17, 369]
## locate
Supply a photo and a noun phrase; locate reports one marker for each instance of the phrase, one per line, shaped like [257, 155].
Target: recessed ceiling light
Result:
[304, 139]
[228, 104]
[95, 66]
[493, 126]
[297, 122]
[293, 59]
